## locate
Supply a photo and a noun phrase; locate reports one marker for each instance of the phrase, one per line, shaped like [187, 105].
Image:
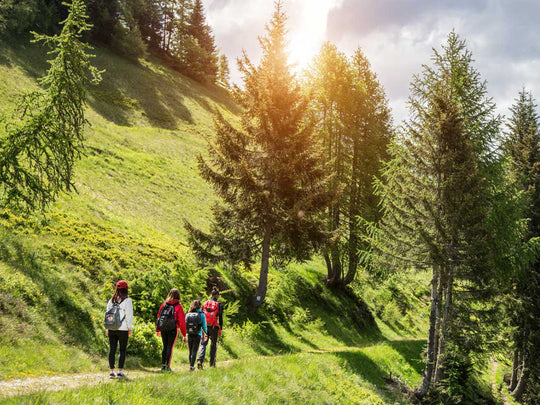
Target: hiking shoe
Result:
[121, 374]
[199, 365]
[112, 374]
[168, 369]
[163, 369]
[192, 369]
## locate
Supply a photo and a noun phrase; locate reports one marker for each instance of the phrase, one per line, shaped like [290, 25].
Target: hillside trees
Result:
[174, 29]
[201, 60]
[41, 144]
[522, 146]
[270, 174]
[446, 208]
[355, 122]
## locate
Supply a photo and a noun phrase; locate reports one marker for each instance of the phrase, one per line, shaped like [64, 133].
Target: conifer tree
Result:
[270, 174]
[355, 128]
[523, 147]
[446, 208]
[40, 148]
[200, 49]
[224, 73]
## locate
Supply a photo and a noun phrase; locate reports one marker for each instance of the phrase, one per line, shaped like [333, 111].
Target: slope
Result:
[136, 185]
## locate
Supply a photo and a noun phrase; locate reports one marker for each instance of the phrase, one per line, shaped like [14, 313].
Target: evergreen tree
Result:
[523, 148]
[446, 209]
[355, 127]
[40, 148]
[269, 174]
[224, 73]
[200, 49]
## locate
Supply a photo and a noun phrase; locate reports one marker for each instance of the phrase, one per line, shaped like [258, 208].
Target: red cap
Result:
[121, 284]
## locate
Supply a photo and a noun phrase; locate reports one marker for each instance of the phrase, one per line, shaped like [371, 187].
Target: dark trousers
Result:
[116, 336]
[213, 336]
[168, 338]
[193, 345]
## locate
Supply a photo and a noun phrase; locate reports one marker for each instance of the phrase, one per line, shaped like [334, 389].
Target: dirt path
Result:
[494, 388]
[29, 385]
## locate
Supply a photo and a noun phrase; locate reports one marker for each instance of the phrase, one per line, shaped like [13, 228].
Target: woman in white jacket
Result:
[121, 334]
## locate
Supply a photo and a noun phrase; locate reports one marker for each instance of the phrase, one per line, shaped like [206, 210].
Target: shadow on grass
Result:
[160, 93]
[67, 316]
[411, 350]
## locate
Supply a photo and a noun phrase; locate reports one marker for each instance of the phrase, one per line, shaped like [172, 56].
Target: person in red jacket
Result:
[170, 318]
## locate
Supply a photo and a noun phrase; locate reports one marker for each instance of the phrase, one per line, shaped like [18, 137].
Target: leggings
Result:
[116, 336]
[169, 339]
[193, 344]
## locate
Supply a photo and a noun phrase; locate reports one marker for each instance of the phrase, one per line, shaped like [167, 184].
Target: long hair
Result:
[120, 294]
[195, 305]
[174, 294]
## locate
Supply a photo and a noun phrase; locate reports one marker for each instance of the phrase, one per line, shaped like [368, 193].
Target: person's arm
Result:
[181, 320]
[221, 307]
[129, 315]
[109, 306]
[204, 326]
[158, 314]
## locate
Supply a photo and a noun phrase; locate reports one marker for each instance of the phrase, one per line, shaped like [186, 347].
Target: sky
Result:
[397, 36]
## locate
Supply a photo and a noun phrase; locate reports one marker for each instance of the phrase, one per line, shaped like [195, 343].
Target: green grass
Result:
[350, 375]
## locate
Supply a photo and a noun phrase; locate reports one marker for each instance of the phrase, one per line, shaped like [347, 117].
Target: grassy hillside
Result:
[136, 186]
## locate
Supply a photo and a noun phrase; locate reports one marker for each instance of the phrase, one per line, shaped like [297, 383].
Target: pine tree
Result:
[201, 54]
[269, 174]
[522, 146]
[40, 148]
[446, 208]
[224, 73]
[355, 127]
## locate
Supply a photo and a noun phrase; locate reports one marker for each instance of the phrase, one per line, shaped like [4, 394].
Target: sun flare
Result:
[310, 31]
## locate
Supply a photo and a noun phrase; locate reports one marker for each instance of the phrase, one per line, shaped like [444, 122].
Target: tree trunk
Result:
[263, 277]
[354, 212]
[515, 368]
[421, 391]
[448, 291]
[522, 383]
[333, 278]
[438, 316]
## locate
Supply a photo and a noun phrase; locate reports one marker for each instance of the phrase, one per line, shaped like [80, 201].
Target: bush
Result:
[150, 288]
[144, 343]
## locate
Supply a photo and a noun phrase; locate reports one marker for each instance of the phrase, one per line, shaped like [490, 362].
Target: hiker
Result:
[119, 324]
[196, 328]
[170, 318]
[213, 309]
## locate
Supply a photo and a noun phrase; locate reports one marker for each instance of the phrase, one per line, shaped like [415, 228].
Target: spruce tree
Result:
[42, 144]
[201, 54]
[446, 208]
[522, 146]
[269, 174]
[224, 73]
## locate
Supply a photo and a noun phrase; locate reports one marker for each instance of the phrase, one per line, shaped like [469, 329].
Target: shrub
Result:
[144, 343]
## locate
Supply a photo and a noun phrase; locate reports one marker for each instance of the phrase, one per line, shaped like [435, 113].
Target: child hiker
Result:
[196, 326]
[170, 318]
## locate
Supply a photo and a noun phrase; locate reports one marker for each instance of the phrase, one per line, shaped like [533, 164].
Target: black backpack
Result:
[193, 323]
[167, 319]
[112, 319]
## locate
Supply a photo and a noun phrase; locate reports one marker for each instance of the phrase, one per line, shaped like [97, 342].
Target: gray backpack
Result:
[112, 319]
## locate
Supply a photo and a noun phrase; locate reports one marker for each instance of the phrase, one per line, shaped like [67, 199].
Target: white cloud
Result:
[398, 37]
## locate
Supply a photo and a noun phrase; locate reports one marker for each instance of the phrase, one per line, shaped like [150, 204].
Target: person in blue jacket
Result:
[196, 326]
